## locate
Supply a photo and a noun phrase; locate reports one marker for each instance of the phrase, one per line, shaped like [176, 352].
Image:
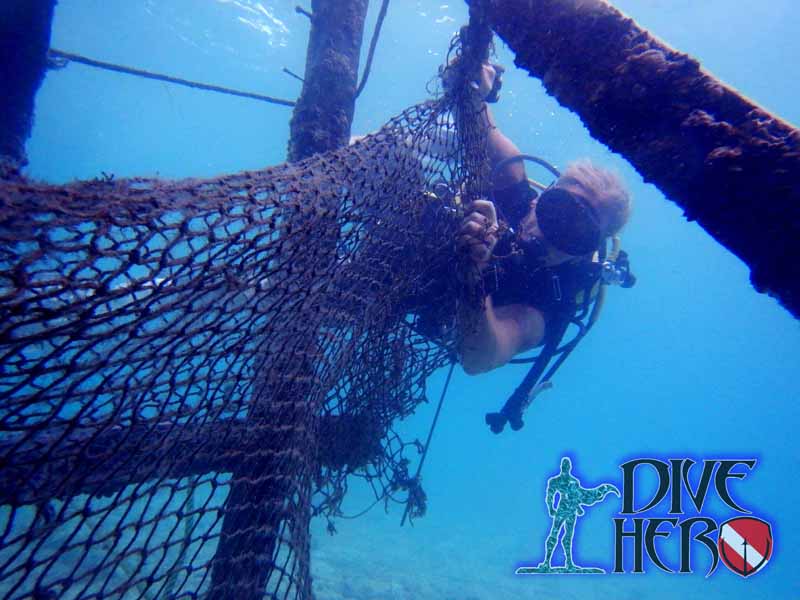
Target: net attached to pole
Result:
[190, 370]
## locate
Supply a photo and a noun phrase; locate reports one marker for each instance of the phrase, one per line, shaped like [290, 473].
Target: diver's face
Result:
[530, 227]
[530, 230]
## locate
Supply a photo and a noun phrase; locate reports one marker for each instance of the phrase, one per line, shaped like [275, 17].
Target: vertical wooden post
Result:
[24, 41]
[273, 487]
[324, 112]
[269, 501]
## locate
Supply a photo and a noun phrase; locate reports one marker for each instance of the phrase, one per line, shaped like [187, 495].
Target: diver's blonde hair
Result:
[603, 185]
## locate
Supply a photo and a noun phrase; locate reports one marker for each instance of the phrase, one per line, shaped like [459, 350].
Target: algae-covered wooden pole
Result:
[24, 40]
[731, 165]
[281, 415]
[324, 112]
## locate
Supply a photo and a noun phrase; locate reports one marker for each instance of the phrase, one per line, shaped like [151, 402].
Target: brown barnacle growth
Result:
[725, 153]
[712, 88]
[650, 62]
[705, 123]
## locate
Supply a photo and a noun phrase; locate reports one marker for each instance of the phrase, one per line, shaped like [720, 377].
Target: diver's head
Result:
[566, 466]
[573, 217]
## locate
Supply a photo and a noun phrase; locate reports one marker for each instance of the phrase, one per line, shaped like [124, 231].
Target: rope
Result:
[302, 11]
[293, 74]
[68, 56]
[372, 44]
[430, 435]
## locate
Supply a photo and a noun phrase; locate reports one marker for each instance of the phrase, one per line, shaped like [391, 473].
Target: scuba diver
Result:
[553, 233]
[545, 255]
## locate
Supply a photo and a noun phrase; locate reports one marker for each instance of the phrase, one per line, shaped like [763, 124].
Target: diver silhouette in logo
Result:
[571, 498]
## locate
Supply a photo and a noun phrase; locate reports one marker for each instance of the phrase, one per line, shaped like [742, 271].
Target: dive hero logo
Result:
[662, 521]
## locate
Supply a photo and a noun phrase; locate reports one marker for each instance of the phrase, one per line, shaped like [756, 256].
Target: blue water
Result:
[690, 363]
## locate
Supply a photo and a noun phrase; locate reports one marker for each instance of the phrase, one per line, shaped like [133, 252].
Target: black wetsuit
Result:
[515, 274]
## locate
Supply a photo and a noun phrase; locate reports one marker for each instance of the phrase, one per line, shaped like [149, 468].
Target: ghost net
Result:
[190, 370]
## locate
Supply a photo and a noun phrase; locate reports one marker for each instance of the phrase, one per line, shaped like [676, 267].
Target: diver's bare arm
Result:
[500, 147]
[551, 496]
[491, 336]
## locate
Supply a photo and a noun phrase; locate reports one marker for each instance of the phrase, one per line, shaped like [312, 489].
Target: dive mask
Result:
[568, 221]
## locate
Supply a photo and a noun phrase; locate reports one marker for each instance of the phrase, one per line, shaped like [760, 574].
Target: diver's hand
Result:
[488, 83]
[485, 87]
[478, 232]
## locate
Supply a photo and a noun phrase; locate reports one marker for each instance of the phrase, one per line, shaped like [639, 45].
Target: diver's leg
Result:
[566, 542]
[552, 538]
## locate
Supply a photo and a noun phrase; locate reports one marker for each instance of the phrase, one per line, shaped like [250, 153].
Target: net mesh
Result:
[190, 370]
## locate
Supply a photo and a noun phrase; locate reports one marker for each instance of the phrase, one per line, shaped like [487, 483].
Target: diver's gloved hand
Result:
[478, 232]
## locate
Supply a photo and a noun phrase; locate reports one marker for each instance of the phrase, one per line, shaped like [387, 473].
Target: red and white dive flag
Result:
[745, 545]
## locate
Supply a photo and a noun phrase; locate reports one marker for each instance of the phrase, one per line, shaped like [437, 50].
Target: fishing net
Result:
[190, 370]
